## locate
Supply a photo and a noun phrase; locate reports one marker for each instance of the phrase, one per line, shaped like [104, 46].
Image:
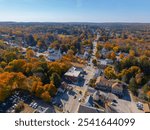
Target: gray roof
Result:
[89, 101]
[87, 109]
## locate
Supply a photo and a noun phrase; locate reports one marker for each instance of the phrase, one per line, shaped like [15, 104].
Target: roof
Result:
[87, 109]
[117, 86]
[103, 81]
[96, 95]
[72, 72]
[103, 62]
[89, 101]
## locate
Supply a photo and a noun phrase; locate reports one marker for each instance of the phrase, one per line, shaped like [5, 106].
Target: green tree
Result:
[55, 78]
[94, 61]
[133, 86]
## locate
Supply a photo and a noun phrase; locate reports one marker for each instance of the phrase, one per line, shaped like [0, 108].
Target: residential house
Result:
[112, 86]
[86, 55]
[103, 63]
[97, 73]
[117, 88]
[103, 84]
[89, 101]
[87, 109]
[54, 55]
[96, 96]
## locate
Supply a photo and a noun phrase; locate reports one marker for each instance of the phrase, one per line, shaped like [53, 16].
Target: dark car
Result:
[115, 101]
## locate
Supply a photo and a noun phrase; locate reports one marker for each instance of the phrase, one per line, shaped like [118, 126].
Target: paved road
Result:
[72, 104]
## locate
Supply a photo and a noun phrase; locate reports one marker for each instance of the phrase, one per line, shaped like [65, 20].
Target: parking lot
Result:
[30, 101]
[118, 105]
[10, 104]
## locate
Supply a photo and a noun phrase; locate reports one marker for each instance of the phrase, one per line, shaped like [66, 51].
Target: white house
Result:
[54, 55]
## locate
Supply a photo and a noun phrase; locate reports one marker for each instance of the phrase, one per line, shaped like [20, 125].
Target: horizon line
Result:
[71, 22]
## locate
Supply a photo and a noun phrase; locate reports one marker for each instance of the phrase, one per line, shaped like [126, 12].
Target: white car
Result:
[79, 99]
[31, 104]
[113, 104]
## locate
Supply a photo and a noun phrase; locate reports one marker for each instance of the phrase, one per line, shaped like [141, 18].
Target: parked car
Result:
[79, 99]
[139, 105]
[114, 100]
[113, 104]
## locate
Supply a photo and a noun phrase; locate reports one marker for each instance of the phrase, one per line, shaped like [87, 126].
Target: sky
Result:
[75, 11]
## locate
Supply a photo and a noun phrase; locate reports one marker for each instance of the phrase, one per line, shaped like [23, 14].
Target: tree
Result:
[30, 40]
[133, 86]
[18, 65]
[9, 56]
[116, 49]
[121, 56]
[97, 55]
[144, 64]
[3, 64]
[30, 53]
[132, 53]
[19, 107]
[110, 73]
[139, 78]
[148, 95]
[108, 46]
[94, 61]
[92, 82]
[46, 96]
[39, 89]
[70, 53]
[55, 78]
[52, 89]
[113, 56]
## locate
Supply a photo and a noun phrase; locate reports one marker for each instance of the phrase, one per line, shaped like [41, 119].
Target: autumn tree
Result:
[113, 56]
[110, 73]
[46, 96]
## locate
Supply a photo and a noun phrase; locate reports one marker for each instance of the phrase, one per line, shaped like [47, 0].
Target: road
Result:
[71, 105]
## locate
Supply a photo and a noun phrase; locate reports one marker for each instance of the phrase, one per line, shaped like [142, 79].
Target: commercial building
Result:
[73, 75]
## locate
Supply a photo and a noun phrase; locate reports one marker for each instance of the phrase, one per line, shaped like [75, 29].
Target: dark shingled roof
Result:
[87, 109]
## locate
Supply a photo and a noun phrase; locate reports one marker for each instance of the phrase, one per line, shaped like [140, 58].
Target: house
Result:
[54, 55]
[109, 61]
[97, 73]
[86, 55]
[86, 48]
[96, 96]
[66, 86]
[73, 75]
[104, 51]
[87, 109]
[102, 63]
[98, 36]
[117, 88]
[112, 86]
[103, 84]
[60, 90]
[41, 109]
[89, 101]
